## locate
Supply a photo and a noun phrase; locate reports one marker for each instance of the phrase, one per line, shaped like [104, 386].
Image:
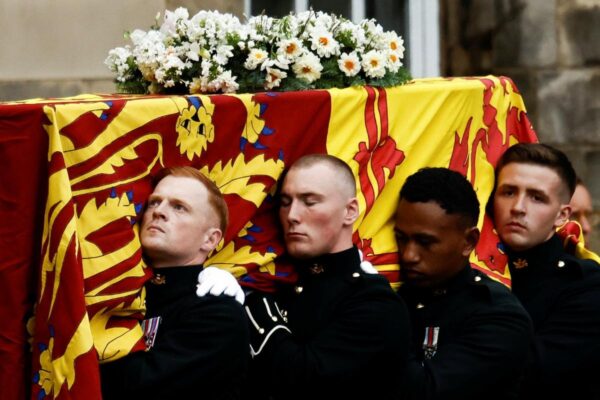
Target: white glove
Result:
[217, 281]
[366, 266]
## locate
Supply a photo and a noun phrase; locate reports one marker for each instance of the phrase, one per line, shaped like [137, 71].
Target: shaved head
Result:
[346, 181]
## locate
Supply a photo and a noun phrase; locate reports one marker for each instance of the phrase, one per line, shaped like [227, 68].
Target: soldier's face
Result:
[528, 205]
[314, 213]
[433, 246]
[178, 223]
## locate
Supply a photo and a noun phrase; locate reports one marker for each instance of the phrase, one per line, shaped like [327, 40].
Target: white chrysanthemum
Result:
[255, 58]
[323, 42]
[290, 48]
[274, 78]
[349, 64]
[394, 43]
[374, 63]
[393, 61]
[308, 67]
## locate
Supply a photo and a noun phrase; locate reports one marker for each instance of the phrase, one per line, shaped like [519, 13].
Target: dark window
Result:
[393, 16]
[272, 8]
[337, 7]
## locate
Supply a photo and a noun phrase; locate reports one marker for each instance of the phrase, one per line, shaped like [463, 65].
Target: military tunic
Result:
[349, 335]
[200, 348]
[561, 293]
[470, 340]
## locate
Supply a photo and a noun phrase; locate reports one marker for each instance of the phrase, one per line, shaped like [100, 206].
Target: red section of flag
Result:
[380, 153]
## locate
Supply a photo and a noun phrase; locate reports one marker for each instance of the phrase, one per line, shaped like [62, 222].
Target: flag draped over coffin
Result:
[104, 150]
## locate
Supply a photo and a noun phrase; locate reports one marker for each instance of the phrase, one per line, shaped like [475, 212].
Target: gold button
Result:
[355, 275]
[299, 289]
[561, 264]
[420, 305]
[477, 278]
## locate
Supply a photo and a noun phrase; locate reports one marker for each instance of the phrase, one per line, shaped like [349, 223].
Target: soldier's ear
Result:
[563, 215]
[471, 238]
[211, 239]
[352, 211]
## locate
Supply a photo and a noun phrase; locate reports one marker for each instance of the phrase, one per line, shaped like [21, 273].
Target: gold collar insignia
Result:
[520, 263]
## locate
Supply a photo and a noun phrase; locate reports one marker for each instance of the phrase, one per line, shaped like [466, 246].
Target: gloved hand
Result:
[265, 318]
[366, 266]
[217, 281]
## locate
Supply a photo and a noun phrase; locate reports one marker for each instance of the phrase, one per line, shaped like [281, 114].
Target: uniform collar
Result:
[455, 284]
[343, 262]
[171, 282]
[543, 257]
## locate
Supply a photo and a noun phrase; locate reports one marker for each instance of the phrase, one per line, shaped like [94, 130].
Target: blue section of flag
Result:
[195, 101]
[249, 238]
[259, 146]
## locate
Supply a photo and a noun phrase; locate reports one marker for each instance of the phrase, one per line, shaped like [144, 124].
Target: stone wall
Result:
[550, 48]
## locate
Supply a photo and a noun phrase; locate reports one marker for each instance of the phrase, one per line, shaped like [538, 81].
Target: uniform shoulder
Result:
[587, 267]
[493, 290]
[375, 283]
[367, 287]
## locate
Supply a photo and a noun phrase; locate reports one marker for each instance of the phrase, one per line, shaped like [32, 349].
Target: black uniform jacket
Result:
[349, 334]
[200, 350]
[470, 340]
[562, 295]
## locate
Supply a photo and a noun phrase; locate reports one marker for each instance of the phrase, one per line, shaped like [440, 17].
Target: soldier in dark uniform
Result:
[196, 346]
[534, 183]
[470, 334]
[339, 333]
